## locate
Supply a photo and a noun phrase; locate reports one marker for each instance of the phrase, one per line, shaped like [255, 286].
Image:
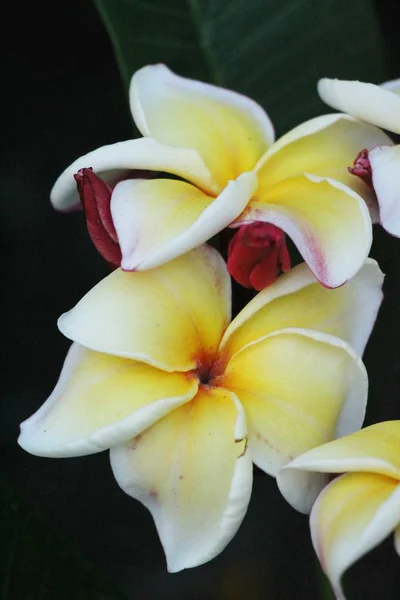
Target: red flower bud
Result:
[95, 196]
[257, 254]
[362, 167]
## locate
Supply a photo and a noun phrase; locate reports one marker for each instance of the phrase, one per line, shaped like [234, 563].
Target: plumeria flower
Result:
[357, 510]
[224, 169]
[379, 105]
[186, 400]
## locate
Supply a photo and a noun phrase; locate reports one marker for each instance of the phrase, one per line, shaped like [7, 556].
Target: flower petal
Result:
[393, 86]
[192, 471]
[296, 299]
[352, 515]
[365, 101]
[100, 401]
[324, 146]
[229, 130]
[385, 163]
[397, 540]
[159, 219]
[374, 449]
[299, 389]
[112, 162]
[321, 146]
[328, 222]
[170, 317]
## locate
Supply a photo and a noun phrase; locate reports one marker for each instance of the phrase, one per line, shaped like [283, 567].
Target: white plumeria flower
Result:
[186, 400]
[231, 173]
[380, 106]
[358, 510]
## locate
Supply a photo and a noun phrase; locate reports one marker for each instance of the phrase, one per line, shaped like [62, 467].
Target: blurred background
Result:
[67, 530]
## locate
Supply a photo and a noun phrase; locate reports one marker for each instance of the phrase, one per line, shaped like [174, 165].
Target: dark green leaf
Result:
[273, 51]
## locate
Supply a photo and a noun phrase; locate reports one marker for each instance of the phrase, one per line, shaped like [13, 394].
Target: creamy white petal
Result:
[374, 449]
[100, 401]
[192, 470]
[299, 389]
[393, 85]
[160, 219]
[117, 160]
[328, 221]
[365, 101]
[352, 515]
[385, 163]
[229, 130]
[397, 539]
[296, 299]
[172, 317]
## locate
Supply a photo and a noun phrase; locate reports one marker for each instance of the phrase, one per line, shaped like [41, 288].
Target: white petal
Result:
[113, 161]
[352, 515]
[160, 219]
[193, 472]
[397, 540]
[229, 131]
[324, 146]
[365, 101]
[385, 163]
[328, 221]
[172, 317]
[313, 390]
[393, 85]
[100, 401]
[296, 299]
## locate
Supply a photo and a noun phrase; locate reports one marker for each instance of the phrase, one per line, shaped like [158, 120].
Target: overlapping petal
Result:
[324, 146]
[193, 472]
[397, 539]
[114, 162]
[229, 130]
[365, 101]
[296, 299]
[100, 401]
[385, 163]
[375, 449]
[157, 220]
[170, 317]
[356, 511]
[328, 222]
[352, 515]
[393, 86]
[299, 389]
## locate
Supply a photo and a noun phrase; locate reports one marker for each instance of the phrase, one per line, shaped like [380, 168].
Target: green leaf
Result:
[270, 50]
[37, 564]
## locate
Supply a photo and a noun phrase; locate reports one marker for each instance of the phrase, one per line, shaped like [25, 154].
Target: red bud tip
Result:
[95, 196]
[257, 254]
[362, 167]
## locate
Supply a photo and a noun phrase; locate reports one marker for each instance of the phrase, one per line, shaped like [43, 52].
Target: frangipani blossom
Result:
[357, 510]
[230, 172]
[380, 106]
[186, 400]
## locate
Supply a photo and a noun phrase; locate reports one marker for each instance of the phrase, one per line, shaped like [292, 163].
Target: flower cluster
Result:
[187, 399]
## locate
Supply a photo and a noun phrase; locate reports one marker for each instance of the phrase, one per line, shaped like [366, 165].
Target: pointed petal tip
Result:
[166, 473]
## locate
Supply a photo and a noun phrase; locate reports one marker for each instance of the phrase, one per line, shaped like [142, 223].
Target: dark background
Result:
[67, 530]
